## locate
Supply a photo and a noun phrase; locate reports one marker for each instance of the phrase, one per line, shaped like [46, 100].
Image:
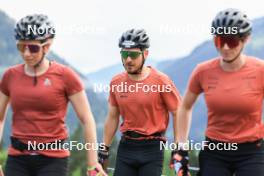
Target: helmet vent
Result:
[224, 22]
[239, 22]
[217, 22]
[235, 13]
[245, 26]
[137, 38]
[230, 22]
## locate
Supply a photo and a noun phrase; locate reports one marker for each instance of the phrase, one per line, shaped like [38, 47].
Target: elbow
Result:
[186, 107]
[86, 119]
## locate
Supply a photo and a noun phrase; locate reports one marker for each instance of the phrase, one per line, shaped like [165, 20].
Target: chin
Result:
[227, 57]
[31, 64]
[130, 71]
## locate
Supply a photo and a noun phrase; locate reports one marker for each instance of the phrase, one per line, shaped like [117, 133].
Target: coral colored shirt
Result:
[144, 105]
[234, 99]
[39, 111]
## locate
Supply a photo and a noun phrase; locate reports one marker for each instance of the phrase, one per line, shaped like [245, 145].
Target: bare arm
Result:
[111, 124]
[175, 116]
[82, 108]
[185, 116]
[3, 109]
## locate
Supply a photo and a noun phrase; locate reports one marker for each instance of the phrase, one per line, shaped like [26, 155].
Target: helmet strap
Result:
[35, 81]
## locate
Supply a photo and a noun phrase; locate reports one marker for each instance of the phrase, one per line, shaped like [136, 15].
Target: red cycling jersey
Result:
[39, 110]
[234, 99]
[144, 105]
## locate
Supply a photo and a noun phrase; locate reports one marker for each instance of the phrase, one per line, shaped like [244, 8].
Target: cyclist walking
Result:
[233, 89]
[38, 92]
[143, 105]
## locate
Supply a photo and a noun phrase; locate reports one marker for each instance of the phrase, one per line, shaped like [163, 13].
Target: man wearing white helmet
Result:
[143, 105]
[39, 91]
[233, 87]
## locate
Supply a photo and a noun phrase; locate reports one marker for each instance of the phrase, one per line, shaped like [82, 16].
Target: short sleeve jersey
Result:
[234, 99]
[39, 110]
[144, 105]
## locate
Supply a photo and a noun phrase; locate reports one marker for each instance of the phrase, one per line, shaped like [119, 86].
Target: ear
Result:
[145, 52]
[47, 46]
[246, 39]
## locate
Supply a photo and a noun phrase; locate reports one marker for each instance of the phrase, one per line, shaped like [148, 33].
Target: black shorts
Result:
[247, 160]
[139, 158]
[36, 165]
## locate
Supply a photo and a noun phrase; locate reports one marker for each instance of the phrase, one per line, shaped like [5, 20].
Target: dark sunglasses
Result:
[131, 54]
[33, 48]
[231, 41]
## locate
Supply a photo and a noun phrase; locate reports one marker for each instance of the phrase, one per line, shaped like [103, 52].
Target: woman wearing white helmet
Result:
[233, 87]
[38, 91]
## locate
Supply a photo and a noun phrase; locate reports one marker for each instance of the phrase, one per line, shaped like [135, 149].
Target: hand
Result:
[95, 170]
[103, 155]
[180, 162]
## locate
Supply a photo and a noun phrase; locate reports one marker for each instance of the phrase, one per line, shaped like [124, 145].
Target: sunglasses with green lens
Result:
[131, 54]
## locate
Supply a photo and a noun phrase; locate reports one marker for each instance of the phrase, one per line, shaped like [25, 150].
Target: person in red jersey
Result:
[143, 97]
[38, 92]
[232, 85]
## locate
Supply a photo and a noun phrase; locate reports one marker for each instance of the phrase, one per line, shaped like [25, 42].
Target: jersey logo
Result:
[47, 82]
[123, 96]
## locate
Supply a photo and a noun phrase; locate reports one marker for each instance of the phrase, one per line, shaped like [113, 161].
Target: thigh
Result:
[251, 165]
[17, 165]
[213, 164]
[51, 166]
[153, 168]
[126, 163]
[124, 167]
[151, 161]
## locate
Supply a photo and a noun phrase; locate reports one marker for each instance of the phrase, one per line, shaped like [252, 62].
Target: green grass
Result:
[77, 172]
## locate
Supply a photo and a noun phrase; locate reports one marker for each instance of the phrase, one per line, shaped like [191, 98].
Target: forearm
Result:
[183, 124]
[110, 129]
[175, 117]
[3, 111]
[2, 123]
[91, 140]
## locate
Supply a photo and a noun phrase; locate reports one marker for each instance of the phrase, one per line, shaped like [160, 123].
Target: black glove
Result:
[103, 155]
[180, 162]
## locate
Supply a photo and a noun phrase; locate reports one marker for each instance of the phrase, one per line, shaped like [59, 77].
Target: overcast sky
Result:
[88, 30]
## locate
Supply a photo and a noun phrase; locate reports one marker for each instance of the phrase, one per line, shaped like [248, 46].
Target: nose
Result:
[226, 47]
[26, 52]
[128, 59]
